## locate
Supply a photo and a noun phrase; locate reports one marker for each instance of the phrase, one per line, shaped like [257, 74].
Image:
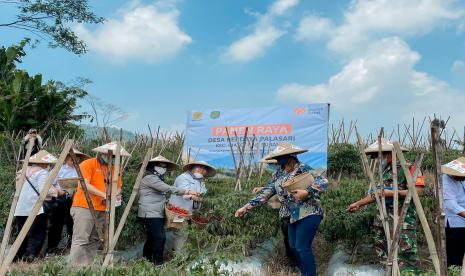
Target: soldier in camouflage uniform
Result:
[407, 254]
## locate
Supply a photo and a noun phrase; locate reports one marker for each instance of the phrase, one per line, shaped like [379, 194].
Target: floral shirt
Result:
[292, 208]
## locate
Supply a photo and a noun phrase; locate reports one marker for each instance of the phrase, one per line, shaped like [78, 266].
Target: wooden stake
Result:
[398, 228]
[114, 188]
[39, 203]
[420, 211]
[19, 186]
[106, 237]
[371, 180]
[381, 184]
[135, 191]
[395, 187]
[440, 214]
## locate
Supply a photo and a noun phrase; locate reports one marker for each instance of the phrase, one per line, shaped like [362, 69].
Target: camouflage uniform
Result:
[407, 254]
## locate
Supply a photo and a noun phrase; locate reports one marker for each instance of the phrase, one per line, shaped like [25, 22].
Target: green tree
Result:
[25, 102]
[52, 20]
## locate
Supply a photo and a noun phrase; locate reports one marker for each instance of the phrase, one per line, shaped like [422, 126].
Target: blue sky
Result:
[372, 60]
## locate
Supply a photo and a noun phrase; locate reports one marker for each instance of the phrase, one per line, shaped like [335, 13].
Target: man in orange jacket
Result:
[85, 241]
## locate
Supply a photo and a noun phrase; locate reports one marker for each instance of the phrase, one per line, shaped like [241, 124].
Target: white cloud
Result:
[264, 35]
[458, 66]
[147, 33]
[385, 81]
[279, 7]
[313, 27]
[365, 20]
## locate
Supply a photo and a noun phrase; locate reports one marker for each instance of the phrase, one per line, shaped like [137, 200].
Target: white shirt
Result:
[454, 200]
[187, 182]
[28, 197]
[65, 172]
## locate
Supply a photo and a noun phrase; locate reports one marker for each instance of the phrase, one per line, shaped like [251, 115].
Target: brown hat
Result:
[211, 171]
[267, 161]
[160, 159]
[111, 146]
[80, 154]
[43, 157]
[386, 146]
[455, 167]
[284, 149]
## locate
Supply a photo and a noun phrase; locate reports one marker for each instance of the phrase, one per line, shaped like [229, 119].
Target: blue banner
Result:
[304, 125]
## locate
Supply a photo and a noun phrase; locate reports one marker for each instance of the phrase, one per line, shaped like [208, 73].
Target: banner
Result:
[305, 126]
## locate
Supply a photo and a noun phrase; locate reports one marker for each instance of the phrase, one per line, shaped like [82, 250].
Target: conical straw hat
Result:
[80, 154]
[455, 167]
[160, 159]
[111, 146]
[299, 182]
[285, 149]
[211, 171]
[267, 161]
[386, 146]
[43, 157]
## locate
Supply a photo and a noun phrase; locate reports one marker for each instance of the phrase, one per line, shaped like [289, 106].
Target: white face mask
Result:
[198, 175]
[160, 170]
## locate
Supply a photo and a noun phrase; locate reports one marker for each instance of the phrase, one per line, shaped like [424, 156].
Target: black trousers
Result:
[59, 217]
[32, 244]
[455, 245]
[155, 244]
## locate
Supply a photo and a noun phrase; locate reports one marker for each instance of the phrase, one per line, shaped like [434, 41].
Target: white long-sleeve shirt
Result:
[186, 181]
[454, 200]
[28, 197]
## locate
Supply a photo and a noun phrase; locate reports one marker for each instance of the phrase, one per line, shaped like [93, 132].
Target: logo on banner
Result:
[215, 115]
[197, 116]
[300, 111]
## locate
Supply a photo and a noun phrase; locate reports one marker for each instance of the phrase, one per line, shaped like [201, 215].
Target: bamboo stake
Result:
[440, 214]
[27, 225]
[381, 184]
[420, 211]
[403, 214]
[114, 188]
[19, 186]
[395, 187]
[135, 191]
[371, 180]
[106, 237]
[83, 186]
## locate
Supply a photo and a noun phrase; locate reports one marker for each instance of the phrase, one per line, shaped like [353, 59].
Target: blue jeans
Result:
[301, 234]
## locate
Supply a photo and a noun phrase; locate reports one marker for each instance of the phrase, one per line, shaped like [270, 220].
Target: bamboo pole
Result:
[371, 179]
[27, 225]
[106, 236]
[114, 188]
[135, 191]
[395, 187]
[231, 148]
[19, 186]
[403, 214]
[440, 213]
[381, 184]
[420, 211]
[83, 186]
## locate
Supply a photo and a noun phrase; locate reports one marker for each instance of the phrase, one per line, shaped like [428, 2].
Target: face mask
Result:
[281, 161]
[198, 175]
[160, 170]
[384, 163]
[104, 158]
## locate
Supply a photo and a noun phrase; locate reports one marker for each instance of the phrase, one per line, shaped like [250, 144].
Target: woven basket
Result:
[175, 220]
[299, 182]
[199, 224]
